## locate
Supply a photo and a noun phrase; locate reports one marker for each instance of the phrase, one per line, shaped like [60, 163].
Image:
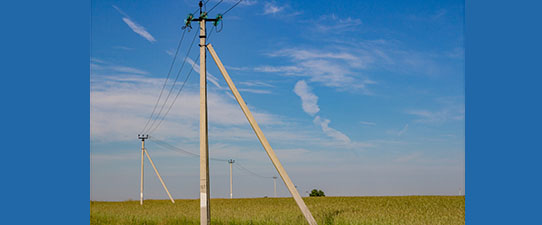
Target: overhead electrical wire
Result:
[166, 145]
[249, 171]
[165, 82]
[174, 82]
[173, 102]
[218, 3]
[180, 90]
[224, 13]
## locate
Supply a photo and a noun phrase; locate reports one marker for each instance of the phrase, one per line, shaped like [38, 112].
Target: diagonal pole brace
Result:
[263, 140]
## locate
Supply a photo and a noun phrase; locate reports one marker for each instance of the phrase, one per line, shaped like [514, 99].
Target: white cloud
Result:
[272, 8]
[256, 84]
[309, 101]
[126, 69]
[255, 91]
[334, 24]
[246, 2]
[210, 77]
[138, 29]
[329, 68]
[330, 132]
[280, 69]
[367, 123]
[97, 65]
[123, 48]
[121, 104]
[452, 110]
[402, 131]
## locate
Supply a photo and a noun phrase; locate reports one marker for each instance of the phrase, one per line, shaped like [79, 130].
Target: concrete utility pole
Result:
[144, 152]
[282, 172]
[205, 213]
[231, 161]
[142, 137]
[205, 195]
[275, 186]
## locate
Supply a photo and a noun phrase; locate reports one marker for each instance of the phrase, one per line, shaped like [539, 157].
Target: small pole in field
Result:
[142, 137]
[275, 185]
[231, 161]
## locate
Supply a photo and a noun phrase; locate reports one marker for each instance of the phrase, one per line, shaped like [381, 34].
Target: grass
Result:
[404, 210]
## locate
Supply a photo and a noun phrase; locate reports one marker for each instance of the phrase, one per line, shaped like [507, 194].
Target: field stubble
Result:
[404, 210]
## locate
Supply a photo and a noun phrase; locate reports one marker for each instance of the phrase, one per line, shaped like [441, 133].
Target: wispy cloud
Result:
[210, 77]
[98, 66]
[279, 69]
[138, 29]
[120, 106]
[309, 101]
[335, 134]
[272, 8]
[280, 11]
[123, 48]
[402, 131]
[452, 109]
[332, 23]
[256, 84]
[329, 68]
[367, 123]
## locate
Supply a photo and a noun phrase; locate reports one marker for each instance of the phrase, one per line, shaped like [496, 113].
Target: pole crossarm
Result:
[282, 172]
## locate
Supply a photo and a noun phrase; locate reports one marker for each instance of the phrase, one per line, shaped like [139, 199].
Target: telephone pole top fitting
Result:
[142, 136]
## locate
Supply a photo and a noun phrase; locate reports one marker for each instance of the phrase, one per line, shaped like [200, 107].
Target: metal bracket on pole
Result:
[263, 140]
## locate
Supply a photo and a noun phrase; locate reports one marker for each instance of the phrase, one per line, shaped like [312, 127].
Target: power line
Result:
[174, 100]
[171, 147]
[175, 81]
[249, 171]
[218, 3]
[165, 82]
[232, 7]
[179, 92]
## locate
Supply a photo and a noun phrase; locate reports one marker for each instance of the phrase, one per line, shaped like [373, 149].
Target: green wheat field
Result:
[403, 210]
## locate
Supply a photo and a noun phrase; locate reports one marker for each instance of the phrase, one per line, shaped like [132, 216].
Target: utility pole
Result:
[231, 161]
[142, 137]
[144, 152]
[205, 195]
[275, 186]
[205, 212]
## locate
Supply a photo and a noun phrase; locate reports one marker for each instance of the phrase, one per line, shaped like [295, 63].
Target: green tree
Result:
[317, 193]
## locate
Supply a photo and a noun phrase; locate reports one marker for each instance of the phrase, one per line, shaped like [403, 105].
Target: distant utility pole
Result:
[275, 185]
[143, 152]
[142, 137]
[231, 161]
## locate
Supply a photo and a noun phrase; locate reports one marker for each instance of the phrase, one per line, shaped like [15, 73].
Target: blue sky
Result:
[356, 97]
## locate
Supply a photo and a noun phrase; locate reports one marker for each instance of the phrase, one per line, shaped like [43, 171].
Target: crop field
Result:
[403, 210]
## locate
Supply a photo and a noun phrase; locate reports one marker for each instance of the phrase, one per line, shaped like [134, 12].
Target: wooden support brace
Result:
[263, 140]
